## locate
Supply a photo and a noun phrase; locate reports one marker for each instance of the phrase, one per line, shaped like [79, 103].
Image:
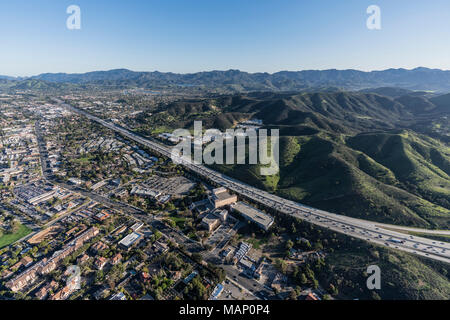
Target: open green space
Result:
[7, 239]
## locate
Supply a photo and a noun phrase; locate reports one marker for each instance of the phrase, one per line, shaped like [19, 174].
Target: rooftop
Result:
[130, 239]
[253, 214]
[221, 194]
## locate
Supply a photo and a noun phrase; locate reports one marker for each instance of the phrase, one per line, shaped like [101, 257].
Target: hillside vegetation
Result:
[403, 276]
[320, 172]
[356, 154]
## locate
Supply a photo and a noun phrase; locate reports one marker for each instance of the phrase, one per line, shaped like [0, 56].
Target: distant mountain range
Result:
[7, 78]
[422, 79]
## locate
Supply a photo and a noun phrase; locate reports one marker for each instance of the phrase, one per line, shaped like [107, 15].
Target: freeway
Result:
[380, 234]
[251, 285]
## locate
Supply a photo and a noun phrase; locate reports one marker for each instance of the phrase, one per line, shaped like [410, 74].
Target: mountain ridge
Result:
[420, 78]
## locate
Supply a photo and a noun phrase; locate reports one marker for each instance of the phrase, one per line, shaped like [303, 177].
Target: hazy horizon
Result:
[215, 70]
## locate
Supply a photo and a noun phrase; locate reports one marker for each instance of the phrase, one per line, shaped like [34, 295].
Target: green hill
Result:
[404, 276]
[337, 112]
[39, 85]
[421, 164]
[442, 102]
[339, 151]
[330, 175]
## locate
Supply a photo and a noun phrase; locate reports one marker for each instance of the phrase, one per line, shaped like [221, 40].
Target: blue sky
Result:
[199, 35]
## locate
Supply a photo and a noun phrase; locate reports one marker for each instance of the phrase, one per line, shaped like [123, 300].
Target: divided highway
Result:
[366, 230]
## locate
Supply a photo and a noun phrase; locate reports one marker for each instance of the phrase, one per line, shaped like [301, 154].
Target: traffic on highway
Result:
[358, 228]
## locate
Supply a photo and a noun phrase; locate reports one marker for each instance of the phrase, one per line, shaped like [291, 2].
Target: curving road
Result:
[373, 232]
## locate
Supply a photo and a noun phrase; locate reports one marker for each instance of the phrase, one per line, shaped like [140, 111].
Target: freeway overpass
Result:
[373, 232]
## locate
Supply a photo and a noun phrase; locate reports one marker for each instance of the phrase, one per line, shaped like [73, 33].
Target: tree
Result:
[295, 272]
[333, 290]
[197, 257]
[310, 274]
[315, 284]
[318, 246]
[293, 295]
[170, 206]
[289, 244]
[198, 289]
[293, 228]
[303, 279]
[99, 277]
[116, 272]
[219, 273]
[375, 296]
[170, 222]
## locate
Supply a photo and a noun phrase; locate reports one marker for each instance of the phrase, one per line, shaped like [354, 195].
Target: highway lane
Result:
[416, 230]
[362, 229]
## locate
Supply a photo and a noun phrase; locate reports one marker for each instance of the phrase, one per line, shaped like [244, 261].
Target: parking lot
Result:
[175, 186]
[232, 292]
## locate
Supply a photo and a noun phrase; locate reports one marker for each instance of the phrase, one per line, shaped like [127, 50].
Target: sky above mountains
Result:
[198, 35]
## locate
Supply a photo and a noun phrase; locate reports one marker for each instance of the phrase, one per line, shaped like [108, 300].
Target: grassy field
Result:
[7, 239]
[179, 221]
[83, 160]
